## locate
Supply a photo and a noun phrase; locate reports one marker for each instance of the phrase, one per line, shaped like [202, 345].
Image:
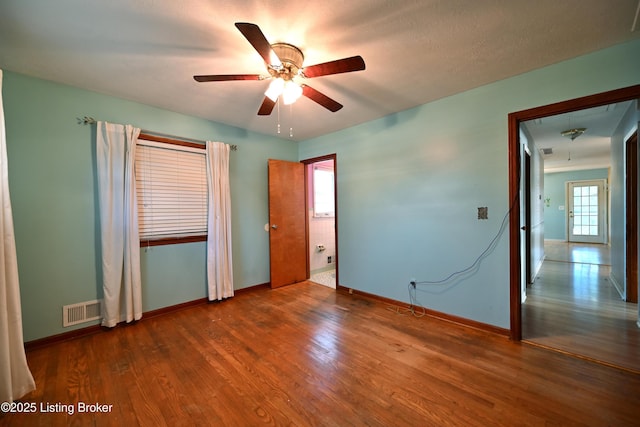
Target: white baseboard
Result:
[537, 268]
[619, 287]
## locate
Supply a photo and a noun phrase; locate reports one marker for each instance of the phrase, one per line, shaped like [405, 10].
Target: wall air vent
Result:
[81, 312]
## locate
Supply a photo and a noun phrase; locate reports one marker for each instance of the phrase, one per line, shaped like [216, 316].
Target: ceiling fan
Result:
[284, 63]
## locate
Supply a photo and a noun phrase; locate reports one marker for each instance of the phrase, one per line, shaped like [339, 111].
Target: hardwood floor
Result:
[573, 307]
[307, 355]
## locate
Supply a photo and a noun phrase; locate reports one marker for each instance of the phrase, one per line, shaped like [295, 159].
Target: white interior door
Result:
[587, 211]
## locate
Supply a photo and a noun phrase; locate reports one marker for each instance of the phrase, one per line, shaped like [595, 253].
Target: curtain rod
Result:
[90, 120]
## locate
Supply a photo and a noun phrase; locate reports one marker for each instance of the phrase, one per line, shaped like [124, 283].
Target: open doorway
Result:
[517, 166]
[322, 218]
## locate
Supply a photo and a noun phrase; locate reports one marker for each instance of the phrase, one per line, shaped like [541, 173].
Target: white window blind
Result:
[171, 184]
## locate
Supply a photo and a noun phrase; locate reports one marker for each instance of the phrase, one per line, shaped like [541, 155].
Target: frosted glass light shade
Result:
[292, 91]
[275, 89]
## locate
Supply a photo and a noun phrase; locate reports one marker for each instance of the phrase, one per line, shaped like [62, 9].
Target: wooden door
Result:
[287, 223]
[527, 219]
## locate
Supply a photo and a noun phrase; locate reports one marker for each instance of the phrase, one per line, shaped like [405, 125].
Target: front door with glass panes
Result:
[587, 211]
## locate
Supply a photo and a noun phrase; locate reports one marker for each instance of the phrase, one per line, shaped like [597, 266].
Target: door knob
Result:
[274, 226]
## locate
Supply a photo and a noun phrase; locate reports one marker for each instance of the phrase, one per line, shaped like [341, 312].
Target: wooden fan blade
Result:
[267, 107]
[227, 77]
[345, 65]
[321, 98]
[259, 42]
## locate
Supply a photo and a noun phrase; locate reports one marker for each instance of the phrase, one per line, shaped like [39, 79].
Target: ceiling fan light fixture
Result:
[284, 64]
[274, 60]
[573, 133]
[275, 89]
[292, 91]
[289, 56]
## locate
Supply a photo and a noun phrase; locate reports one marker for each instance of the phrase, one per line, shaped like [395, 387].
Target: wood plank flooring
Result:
[573, 307]
[307, 355]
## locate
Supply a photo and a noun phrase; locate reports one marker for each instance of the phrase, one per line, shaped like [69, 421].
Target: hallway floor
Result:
[574, 308]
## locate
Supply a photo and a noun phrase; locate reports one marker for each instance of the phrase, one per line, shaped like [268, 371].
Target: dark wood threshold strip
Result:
[431, 313]
[582, 356]
[94, 329]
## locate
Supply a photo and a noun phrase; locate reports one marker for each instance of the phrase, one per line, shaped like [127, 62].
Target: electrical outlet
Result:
[329, 259]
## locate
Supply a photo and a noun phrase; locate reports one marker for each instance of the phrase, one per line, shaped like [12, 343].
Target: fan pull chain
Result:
[291, 116]
[278, 108]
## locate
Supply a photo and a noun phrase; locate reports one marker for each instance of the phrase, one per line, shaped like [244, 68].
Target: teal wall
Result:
[53, 191]
[555, 223]
[409, 185]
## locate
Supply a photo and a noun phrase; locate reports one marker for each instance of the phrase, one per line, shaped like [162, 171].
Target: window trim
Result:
[172, 240]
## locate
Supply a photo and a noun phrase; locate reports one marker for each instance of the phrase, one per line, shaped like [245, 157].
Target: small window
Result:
[171, 184]
[323, 192]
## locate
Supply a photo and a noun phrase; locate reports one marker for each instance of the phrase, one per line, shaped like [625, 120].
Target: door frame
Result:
[514, 121]
[307, 162]
[631, 216]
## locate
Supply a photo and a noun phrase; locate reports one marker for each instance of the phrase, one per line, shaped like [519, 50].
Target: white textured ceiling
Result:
[591, 150]
[415, 51]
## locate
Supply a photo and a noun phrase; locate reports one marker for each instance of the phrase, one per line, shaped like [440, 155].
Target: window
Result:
[585, 210]
[171, 185]
[323, 188]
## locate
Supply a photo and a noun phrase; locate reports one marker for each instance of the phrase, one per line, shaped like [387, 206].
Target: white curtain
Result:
[15, 378]
[219, 266]
[116, 150]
